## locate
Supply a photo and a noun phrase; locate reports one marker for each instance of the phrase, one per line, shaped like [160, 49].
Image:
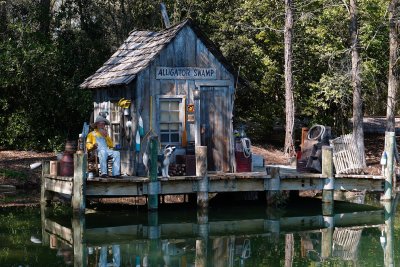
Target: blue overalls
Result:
[104, 152]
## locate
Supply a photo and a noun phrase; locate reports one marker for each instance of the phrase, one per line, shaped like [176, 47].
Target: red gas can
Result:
[243, 163]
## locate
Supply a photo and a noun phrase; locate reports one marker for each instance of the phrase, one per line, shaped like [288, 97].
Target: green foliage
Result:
[7, 173]
[47, 51]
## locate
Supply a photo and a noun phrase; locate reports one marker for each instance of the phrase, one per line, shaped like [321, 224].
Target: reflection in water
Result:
[345, 244]
[220, 236]
[253, 238]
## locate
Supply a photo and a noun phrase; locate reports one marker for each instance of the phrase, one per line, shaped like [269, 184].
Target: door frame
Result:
[229, 84]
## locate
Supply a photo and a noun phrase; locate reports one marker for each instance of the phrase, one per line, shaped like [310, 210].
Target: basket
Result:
[345, 158]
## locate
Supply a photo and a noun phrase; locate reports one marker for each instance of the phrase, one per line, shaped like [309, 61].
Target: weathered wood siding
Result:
[186, 50]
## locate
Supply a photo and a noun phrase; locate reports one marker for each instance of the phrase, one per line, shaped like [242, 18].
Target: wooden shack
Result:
[181, 88]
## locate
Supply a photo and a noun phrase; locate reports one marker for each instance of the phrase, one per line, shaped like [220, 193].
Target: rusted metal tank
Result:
[67, 160]
[70, 146]
[67, 164]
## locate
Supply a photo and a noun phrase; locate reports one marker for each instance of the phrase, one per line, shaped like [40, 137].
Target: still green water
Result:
[250, 235]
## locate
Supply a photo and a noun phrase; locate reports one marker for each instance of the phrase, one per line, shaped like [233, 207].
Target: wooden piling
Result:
[389, 166]
[202, 239]
[201, 171]
[154, 231]
[327, 237]
[79, 183]
[387, 239]
[329, 183]
[79, 242]
[153, 234]
[273, 186]
[45, 196]
[44, 210]
[153, 185]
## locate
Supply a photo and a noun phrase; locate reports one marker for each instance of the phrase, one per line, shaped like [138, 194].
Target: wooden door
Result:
[215, 125]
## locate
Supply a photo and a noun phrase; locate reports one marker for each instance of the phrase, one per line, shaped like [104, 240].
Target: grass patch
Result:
[14, 174]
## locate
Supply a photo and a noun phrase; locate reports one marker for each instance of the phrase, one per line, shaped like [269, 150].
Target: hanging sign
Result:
[190, 108]
[190, 118]
[186, 73]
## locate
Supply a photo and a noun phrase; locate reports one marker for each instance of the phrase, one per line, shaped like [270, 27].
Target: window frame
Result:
[181, 99]
[115, 112]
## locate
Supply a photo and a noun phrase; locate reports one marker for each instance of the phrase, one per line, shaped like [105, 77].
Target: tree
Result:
[393, 77]
[289, 101]
[358, 131]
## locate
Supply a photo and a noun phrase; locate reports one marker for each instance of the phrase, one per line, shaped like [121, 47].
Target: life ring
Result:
[320, 133]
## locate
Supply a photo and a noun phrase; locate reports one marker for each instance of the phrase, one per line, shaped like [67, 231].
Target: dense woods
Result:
[48, 47]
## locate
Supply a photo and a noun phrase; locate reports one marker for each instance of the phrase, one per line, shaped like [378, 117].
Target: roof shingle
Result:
[134, 55]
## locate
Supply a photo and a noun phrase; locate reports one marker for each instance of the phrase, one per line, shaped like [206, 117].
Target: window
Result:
[170, 122]
[115, 118]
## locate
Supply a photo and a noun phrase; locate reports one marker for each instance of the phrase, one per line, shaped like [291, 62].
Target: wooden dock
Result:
[272, 181]
[224, 182]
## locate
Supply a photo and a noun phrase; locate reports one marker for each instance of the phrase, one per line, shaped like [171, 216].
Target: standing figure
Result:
[99, 140]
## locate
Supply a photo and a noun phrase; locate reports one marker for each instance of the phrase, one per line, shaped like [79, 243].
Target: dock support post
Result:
[327, 237]
[45, 196]
[201, 171]
[273, 186]
[79, 242]
[44, 210]
[387, 237]
[273, 224]
[329, 185]
[154, 234]
[202, 239]
[45, 199]
[79, 183]
[389, 166]
[153, 184]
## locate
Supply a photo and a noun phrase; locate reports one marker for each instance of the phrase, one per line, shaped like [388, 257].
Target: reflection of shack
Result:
[345, 245]
[136, 240]
[64, 250]
[229, 250]
[174, 252]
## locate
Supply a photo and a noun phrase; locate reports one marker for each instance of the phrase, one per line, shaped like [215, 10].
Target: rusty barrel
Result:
[67, 164]
[70, 146]
[67, 160]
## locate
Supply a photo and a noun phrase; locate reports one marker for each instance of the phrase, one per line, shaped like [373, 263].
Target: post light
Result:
[196, 94]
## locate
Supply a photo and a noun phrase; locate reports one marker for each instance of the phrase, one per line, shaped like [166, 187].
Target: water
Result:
[250, 235]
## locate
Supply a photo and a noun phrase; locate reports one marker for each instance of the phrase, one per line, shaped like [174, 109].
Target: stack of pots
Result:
[67, 160]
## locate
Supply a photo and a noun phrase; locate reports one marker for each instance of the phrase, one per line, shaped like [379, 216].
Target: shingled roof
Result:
[138, 51]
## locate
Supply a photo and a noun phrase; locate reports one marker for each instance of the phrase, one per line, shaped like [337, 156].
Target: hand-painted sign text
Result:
[183, 73]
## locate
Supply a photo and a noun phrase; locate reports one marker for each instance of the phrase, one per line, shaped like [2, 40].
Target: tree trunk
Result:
[82, 15]
[289, 101]
[393, 77]
[358, 131]
[44, 18]
[3, 18]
